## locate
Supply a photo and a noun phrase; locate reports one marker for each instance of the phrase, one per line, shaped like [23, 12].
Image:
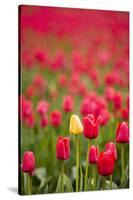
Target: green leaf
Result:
[40, 173]
[58, 189]
[107, 185]
[99, 182]
[90, 183]
[125, 181]
[74, 172]
[25, 183]
[46, 189]
[44, 183]
[81, 180]
[68, 184]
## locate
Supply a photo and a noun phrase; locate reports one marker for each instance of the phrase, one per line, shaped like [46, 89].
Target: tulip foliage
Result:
[74, 100]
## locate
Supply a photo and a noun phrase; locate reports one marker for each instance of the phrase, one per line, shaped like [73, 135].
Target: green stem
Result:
[28, 184]
[104, 182]
[86, 169]
[62, 175]
[122, 162]
[110, 182]
[77, 163]
[94, 176]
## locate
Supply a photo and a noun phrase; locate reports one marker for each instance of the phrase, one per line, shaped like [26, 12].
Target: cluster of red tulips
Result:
[105, 161]
[73, 67]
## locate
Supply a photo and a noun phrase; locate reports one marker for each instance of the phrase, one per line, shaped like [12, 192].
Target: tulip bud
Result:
[91, 126]
[44, 121]
[106, 163]
[42, 107]
[93, 154]
[68, 104]
[125, 113]
[75, 125]
[112, 147]
[85, 106]
[56, 118]
[26, 107]
[30, 120]
[117, 100]
[105, 117]
[63, 148]
[109, 93]
[28, 164]
[122, 133]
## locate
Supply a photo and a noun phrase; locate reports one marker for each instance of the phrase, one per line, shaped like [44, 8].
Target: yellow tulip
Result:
[75, 125]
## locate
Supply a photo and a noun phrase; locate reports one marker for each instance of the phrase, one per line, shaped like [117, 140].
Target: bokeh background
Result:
[83, 54]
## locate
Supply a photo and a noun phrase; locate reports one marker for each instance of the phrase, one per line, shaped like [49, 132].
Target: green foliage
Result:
[125, 181]
[67, 184]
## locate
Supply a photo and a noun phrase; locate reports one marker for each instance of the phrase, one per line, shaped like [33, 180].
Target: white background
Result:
[9, 96]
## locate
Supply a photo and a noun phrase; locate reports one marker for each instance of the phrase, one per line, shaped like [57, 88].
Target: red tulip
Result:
[84, 109]
[109, 79]
[109, 93]
[88, 106]
[42, 107]
[68, 104]
[91, 126]
[30, 120]
[93, 154]
[56, 118]
[30, 91]
[39, 83]
[41, 56]
[58, 62]
[122, 133]
[44, 121]
[62, 80]
[82, 90]
[112, 147]
[117, 100]
[63, 148]
[28, 164]
[26, 107]
[106, 163]
[105, 117]
[125, 113]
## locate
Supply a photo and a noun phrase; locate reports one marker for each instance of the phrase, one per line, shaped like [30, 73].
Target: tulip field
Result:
[73, 100]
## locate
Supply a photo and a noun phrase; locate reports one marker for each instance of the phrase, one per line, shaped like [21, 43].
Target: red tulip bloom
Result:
[117, 100]
[122, 133]
[44, 121]
[88, 106]
[58, 62]
[91, 126]
[28, 163]
[63, 148]
[62, 80]
[105, 117]
[109, 79]
[93, 154]
[84, 109]
[68, 104]
[56, 118]
[125, 113]
[106, 163]
[30, 120]
[42, 107]
[39, 83]
[26, 107]
[109, 93]
[30, 91]
[41, 56]
[112, 147]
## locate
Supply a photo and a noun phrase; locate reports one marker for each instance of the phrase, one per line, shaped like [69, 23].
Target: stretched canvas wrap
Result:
[74, 100]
